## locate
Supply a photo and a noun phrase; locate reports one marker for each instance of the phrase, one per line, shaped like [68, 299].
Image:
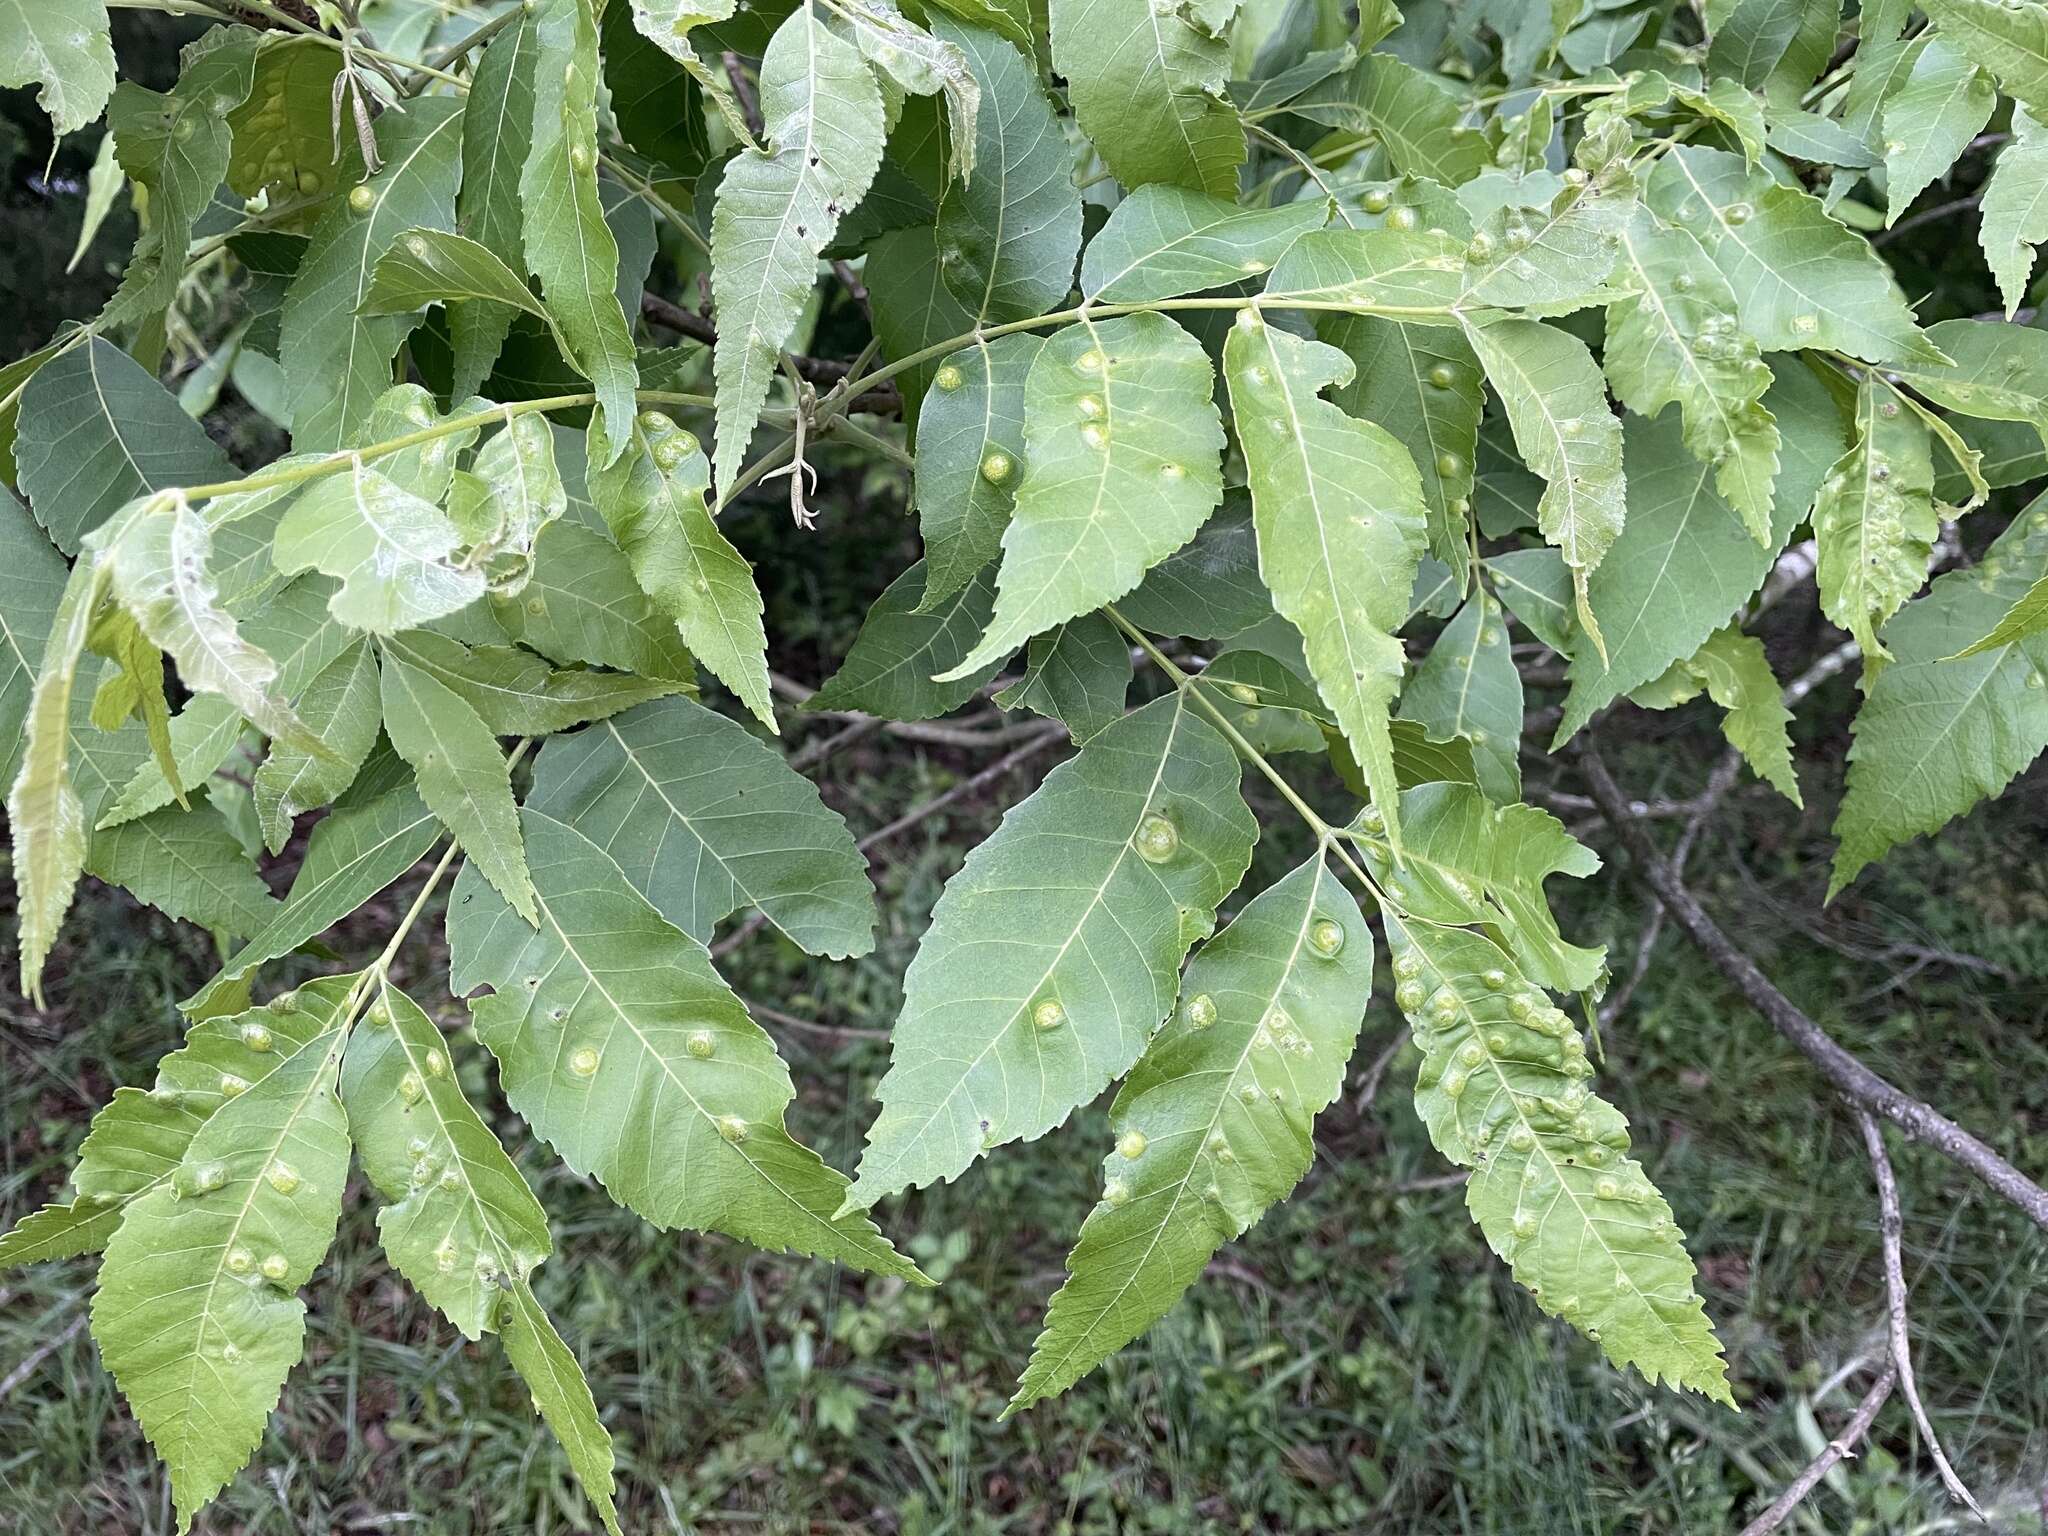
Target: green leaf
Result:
[462, 775]
[391, 549]
[561, 1395]
[197, 1314]
[1930, 120]
[1340, 517]
[1682, 566]
[1422, 384]
[46, 819]
[1213, 1125]
[668, 23]
[2027, 617]
[658, 105]
[1467, 686]
[1677, 340]
[1736, 674]
[777, 209]
[343, 707]
[460, 1224]
[1557, 407]
[61, 47]
[186, 864]
[495, 144]
[920, 64]
[626, 1052]
[431, 266]
[32, 577]
[1008, 236]
[367, 843]
[1502, 1090]
[2000, 371]
[888, 670]
[913, 308]
[1800, 279]
[1468, 861]
[582, 603]
[516, 693]
[284, 142]
[176, 147]
[2014, 212]
[1210, 586]
[337, 360]
[1121, 450]
[2007, 37]
[96, 433]
[58, 1232]
[1078, 674]
[970, 444]
[703, 818]
[1941, 730]
[1874, 520]
[1055, 952]
[1775, 46]
[652, 498]
[1549, 258]
[159, 570]
[1146, 86]
[1388, 268]
[569, 247]
[1417, 120]
[138, 1138]
[1164, 241]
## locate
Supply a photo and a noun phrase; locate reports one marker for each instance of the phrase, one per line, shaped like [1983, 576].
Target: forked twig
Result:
[1842, 1445]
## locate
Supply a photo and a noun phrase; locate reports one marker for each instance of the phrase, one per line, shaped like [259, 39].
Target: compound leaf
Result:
[1502, 1090]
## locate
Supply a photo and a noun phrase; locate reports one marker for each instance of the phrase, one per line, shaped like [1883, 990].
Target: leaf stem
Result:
[1326, 834]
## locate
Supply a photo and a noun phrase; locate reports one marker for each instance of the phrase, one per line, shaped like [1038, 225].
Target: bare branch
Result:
[881, 401]
[1890, 1225]
[1849, 1076]
[1857, 1427]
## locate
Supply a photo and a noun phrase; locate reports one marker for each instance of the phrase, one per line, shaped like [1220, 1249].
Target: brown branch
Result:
[1857, 1427]
[1848, 1075]
[823, 372]
[1891, 1224]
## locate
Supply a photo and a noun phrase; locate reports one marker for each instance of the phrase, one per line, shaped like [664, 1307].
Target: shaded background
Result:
[1358, 1360]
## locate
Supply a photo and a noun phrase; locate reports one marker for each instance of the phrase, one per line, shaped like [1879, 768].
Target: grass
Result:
[1358, 1362]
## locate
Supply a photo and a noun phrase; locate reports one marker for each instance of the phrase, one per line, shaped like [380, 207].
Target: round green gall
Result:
[1115, 1192]
[732, 1128]
[1409, 995]
[283, 1177]
[1375, 201]
[410, 1088]
[1156, 840]
[1049, 1014]
[257, 1037]
[361, 199]
[1494, 980]
[1402, 218]
[1443, 375]
[948, 378]
[995, 469]
[701, 1045]
[1131, 1145]
[1244, 693]
[240, 1261]
[436, 1064]
[1326, 937]
[583, 1061]
[275, 1266]
[232, 1086]
[1736, 214]
[1200, 1011]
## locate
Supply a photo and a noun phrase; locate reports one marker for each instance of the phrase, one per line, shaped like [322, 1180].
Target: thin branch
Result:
[1857, 1427]
[1890, 1225]
[1846, 1073]
[883, 400]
